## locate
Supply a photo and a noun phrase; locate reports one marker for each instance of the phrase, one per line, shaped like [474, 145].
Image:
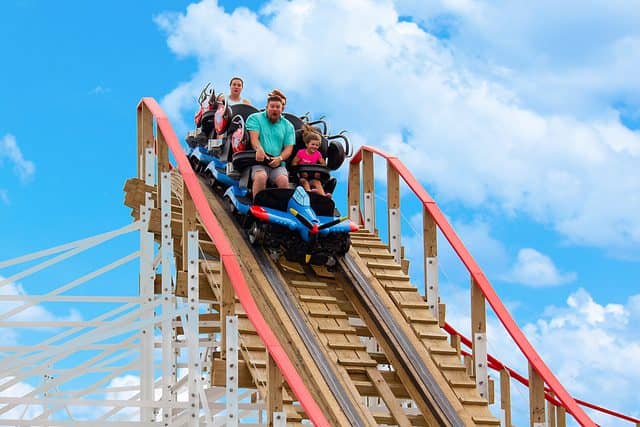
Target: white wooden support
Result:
[150, 166]
[146, 278]
[369, 213]
[193, 317]
[431, 285]
[480, 364]
[395, 242]
[232, 371]
[279, 419]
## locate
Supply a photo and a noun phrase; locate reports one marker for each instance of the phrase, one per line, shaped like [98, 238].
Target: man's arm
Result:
[286, 152]
[254, 137]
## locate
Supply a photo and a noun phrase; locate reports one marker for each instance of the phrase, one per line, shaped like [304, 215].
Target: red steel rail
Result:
[483, 283]
[232, 267]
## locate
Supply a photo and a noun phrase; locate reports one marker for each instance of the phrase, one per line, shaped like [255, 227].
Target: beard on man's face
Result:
[273, 116]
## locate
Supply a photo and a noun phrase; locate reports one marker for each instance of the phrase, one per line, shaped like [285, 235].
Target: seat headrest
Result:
[243, 110]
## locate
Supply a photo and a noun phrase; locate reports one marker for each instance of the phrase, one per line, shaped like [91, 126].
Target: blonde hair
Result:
[310, 133]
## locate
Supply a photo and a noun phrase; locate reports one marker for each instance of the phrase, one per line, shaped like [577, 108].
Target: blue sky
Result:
[522, 123]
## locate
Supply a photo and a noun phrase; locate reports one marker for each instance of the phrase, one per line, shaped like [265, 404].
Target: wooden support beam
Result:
[442, 314]
[393, 213]
[162, 151]
[492, 393]
[387, 396]
[145, 137]
[551, 414]
[505, 396]
[274, 390]
[430, 241]
[354, 192]
[369, 191]
[227, 300]
[561, 417]
[456, 344]
[536, 398]
[188, 221]
[479, 337]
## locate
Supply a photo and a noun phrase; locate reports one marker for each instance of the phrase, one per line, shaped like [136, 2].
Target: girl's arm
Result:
[295, 160]
[321, 160]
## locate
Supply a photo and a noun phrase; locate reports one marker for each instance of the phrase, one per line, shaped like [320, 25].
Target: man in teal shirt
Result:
[271, 136]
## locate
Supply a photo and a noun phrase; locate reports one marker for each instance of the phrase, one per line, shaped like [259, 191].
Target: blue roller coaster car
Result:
[303, 226]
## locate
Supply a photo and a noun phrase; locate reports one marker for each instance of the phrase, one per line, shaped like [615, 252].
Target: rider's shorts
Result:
[272, 173]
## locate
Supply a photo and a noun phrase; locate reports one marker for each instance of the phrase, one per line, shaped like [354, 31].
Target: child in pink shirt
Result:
[310, 156]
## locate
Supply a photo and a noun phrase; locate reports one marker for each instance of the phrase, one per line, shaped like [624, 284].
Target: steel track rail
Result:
[369, 298]
[308, 337]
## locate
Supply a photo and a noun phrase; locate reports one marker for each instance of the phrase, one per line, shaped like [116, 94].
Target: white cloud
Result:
[473, 138]
[592, 348]
[9, 149]
[536, 269]
[21, 411]
[99, 90]
[4, 196]
[583, 57]
[34, 313]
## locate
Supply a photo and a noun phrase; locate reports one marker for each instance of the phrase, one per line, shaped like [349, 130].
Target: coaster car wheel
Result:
[256, 234]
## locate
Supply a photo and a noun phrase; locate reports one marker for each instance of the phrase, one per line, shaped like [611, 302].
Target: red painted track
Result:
[231, 266]
[483, 283]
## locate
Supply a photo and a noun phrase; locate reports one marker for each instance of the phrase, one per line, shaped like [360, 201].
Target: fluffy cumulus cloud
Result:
[558, 56]
[20, 311]
[591, 347]
[536, 269]
[475, 138]
[25, 412]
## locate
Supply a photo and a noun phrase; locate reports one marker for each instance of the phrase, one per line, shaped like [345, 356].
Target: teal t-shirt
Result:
[273, 136]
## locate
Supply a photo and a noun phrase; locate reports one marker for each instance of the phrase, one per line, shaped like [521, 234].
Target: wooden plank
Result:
[336, 314]
[345, 361]
[188, 222]
[227, 306]
[455, 343]
[387, 396]
[536, 398]
[442, 314]
[561, 417]
[505, 395]
[478, 321]
[385, 265]
[551, 412]
[346, 346]
[307, 284]
[274, 390]
[354, 189]
[368, 186]
[318, 298]
[145, 137]
[430, 245]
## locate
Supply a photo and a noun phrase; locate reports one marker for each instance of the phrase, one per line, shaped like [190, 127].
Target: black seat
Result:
[278, 198]
[243, 110]
[207, 122]
[295, 120]
[244, 159]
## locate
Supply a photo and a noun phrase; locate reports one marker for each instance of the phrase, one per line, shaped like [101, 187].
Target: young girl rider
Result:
[310, 156]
